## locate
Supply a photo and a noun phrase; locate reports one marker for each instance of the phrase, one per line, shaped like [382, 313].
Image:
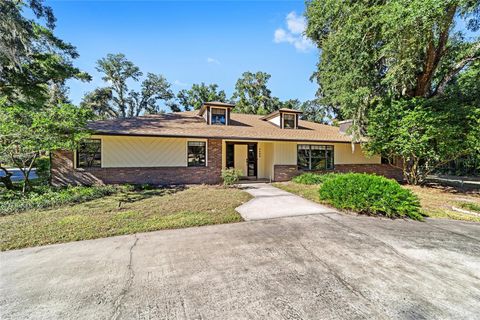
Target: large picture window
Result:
[196, 154]
[219, 116]
[314, 157]
[89, 153]
[288, 121]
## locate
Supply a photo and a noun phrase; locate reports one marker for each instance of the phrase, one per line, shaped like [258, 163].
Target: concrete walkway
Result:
[271, 202]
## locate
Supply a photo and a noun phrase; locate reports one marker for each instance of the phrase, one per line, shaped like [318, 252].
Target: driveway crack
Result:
[128, 284]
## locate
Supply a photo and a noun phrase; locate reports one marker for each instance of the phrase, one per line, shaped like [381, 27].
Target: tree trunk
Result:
[7, 180]
[412, 171]
[433, 56]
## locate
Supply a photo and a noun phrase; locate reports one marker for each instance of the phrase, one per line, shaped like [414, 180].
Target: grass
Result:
[307, 191]
[436, 200]
[44, 196]
[123, 213]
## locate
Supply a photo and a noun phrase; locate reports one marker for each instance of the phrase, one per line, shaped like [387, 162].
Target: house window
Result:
[196, 154]
[219, 116]
[288, 121]
[314, 157]
[89, 153]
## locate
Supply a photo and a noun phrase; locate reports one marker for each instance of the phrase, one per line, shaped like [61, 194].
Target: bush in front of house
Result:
[46, 197]
[313, 178]
[370, 194]
[230, 176]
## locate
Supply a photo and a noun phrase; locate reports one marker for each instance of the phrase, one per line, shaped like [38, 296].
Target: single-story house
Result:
[194, 146]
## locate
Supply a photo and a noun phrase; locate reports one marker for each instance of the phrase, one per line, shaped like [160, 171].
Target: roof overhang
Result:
[214, 104]
[276, 113]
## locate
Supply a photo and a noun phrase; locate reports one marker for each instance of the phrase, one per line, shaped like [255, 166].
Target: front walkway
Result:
[271, 202]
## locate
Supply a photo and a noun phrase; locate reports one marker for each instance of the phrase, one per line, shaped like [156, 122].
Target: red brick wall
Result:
[64, 173]
[287, 172]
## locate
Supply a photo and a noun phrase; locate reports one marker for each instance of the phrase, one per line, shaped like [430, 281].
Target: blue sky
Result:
[193, 41]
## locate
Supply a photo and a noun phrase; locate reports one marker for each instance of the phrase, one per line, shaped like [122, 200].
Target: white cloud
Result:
[213, 61]
[294, 34]
[180, 83]
[296, 24]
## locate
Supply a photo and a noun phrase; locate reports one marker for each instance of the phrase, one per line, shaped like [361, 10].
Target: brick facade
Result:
[287, 172]
[64, 173]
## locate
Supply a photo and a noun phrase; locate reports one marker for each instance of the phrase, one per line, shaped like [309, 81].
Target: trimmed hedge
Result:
[47, 197]
[313, 178]
[370, 194]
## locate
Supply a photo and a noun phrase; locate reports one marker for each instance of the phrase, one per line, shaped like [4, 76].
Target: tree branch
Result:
[475, 55]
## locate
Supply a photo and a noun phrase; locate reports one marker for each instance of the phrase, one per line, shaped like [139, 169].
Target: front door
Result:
[240, 156]
[252, 160]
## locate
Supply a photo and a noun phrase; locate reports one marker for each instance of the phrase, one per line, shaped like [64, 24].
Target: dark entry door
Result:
[252, 160]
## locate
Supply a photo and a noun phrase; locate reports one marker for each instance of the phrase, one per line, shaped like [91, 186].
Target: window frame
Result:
[78, 153]
[225, 114]
[294, 116]
[327, 147]
[205, 143]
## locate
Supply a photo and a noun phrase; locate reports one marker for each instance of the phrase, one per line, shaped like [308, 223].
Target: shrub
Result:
[370, 194]
[230, 176]
[46, 197]
[313, 178]
[42, 165]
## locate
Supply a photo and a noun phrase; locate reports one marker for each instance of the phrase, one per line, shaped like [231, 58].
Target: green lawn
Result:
[436, 202]
[122, 213]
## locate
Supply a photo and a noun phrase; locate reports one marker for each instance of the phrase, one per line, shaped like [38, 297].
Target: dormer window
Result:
[289, 121]
[216, 113]
[219, 116]
[284, 118]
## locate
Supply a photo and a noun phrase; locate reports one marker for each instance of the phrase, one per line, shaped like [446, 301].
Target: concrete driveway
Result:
[327, 266]
[271, 202]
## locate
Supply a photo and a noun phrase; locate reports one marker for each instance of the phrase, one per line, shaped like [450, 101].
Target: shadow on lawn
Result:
[141, 192]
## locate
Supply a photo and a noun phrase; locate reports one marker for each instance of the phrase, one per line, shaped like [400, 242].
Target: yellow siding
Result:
[286, 153]
[119, 151]
[240, 158]
[267, 155]
[345, 155]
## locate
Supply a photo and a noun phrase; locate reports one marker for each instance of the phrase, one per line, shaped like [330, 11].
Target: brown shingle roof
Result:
[242, 126]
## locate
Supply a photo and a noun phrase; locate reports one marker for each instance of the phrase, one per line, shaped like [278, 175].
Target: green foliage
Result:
[424, 133]
[42, 164]
[25, 131]
[470, 206]
[32, 58]
[230, 176]
[313, 178]
[314, 111]
[376, 50]
[47, 197]
[116, 100]
[198, 94]
[370, 194]
[252, 94]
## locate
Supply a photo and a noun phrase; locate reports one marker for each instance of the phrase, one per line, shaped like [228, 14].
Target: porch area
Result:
[254, 159]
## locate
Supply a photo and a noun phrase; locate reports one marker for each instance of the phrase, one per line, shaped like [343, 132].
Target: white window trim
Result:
[206, 151]
[226, 115]
[294, 120]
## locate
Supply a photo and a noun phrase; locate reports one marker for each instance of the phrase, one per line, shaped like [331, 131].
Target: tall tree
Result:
[198, 94]
[24, 133]
[314, 111]
[252, 94]
[117, 100]
[398, 49]
[34, 65]
[32, 58]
